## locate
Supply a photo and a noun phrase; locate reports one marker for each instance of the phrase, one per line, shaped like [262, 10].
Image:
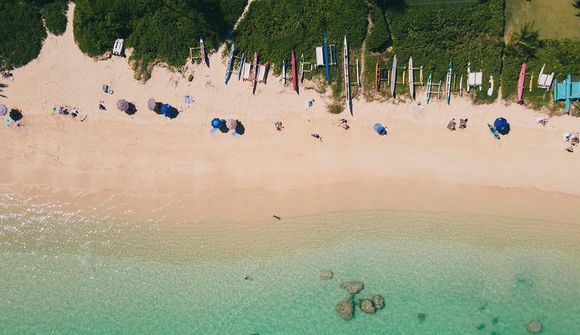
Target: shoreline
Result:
[182, 171]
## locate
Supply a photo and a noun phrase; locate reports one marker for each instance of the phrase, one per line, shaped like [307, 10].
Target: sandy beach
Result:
[146, 166]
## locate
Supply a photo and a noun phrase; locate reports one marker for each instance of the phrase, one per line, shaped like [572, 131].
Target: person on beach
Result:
[344, 124]
[102, 106]
[316, 136]
[278, 125]
[543, 121]
[451, 125]
[462, 123]
[75, 112]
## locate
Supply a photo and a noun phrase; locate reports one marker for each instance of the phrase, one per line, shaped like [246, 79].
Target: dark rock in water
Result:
[421, 316]
[367, 306]
[482, 307]
[353, 287]
[326, 274]
[534, 326]
[379, 301]
[481, 326]
[345, 309]
[495, 320]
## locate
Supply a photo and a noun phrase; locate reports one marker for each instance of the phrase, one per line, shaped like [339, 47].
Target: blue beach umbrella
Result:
[502, 126]
[380, 129]
[166, 110]
[216, 123]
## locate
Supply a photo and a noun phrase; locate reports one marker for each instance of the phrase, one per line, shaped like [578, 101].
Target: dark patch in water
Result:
[524, 281]
[481, 326]
[495, 320]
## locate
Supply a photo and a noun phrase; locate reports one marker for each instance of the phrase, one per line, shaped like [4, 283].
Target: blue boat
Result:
[326, 59]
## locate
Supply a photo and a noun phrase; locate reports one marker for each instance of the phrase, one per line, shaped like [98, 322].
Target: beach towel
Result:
[8, 122]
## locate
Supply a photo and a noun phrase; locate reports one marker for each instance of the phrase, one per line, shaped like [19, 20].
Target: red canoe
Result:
[521, 82]
[378, 76]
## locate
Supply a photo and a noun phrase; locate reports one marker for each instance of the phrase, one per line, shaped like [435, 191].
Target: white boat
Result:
[347, 77]
[411, 79]
[394, 76]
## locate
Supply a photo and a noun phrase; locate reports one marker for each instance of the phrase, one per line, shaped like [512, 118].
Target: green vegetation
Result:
[273, 27]
[554, 19]
[434, 37]
[54, 14]
[157, 30]
[22, 31]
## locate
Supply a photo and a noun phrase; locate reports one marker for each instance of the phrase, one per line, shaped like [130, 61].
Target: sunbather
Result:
[316, 136]
[543, 121]
[462, 123]
[451, 125]
[102, 106]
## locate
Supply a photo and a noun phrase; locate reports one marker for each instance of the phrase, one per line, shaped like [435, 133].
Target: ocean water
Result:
[61, 273]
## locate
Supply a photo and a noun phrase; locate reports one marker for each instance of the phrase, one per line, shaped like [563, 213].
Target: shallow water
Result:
[62, 273]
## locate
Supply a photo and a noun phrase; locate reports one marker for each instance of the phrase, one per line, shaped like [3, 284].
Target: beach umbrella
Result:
[231, 124]
[123, 105]
[380, 129]
[151, 104]
[16, 115]
[166, 110]
[3, 110]
[502, 126]
[216, 123]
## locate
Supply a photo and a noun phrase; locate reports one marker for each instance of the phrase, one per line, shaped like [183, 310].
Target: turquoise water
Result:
[67, 275]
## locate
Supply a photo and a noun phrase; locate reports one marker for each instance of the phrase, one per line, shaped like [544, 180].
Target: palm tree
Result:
[527, 38]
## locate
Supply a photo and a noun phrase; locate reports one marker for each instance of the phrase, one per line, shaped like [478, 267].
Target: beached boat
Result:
[411, 79]
[326, 57]
[448, 83]
[241, 66]
[284, 72]
[378, 76]
[230, 64]
[347, 78]
[254, 72]
[294, 74]
[521, 82]
[461, 86]
[394, 77]
[202, 51]
[301, 67]
[429, 87]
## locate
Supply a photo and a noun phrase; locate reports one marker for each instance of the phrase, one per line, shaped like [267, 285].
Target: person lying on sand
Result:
[316, 136]
[278, 125]
[462, 123]
[75, 112]
[543, 121]
[451, 125]
[102, 106]
[344, 124]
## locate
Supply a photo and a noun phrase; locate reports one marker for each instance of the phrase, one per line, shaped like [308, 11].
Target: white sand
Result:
[113, 162]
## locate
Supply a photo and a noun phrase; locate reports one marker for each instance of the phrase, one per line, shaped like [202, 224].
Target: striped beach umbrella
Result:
[3, 110]
[123, 105]
[231, 124]
[151, 104]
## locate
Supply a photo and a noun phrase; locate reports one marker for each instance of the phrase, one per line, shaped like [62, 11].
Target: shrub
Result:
[54, 14]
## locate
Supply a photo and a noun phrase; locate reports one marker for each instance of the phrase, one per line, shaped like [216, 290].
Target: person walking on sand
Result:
[451, 125]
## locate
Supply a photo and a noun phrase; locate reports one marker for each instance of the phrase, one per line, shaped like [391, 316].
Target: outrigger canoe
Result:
[326, 58]
[411, 79]
[394, 76]
[284, 72]
[429, 87]
[254, 72]
[230, 64]
[521, 82]
[448, 84]
[294, 74]
[202, 51]
[347, 78]
[378, 76]
[241, 65]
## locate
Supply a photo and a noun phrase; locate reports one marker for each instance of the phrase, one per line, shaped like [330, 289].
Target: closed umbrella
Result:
[123, 105]
[502, 126]
[231, 124]
[3, 110]
[151, 104]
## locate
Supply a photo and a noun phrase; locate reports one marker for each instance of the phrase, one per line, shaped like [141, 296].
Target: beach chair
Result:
[246, 71]
[8, 122]
[474, 80]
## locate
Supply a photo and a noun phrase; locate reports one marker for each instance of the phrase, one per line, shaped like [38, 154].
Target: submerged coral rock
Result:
[421, 316]
[367, 306]
[534, 326]
[353, 287]
[379, 301]
[345, 309]
[326, 274]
